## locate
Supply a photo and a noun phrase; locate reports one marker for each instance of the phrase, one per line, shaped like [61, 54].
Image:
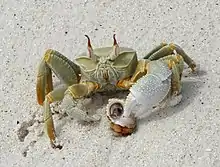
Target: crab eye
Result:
[116, 110]
[115, 51]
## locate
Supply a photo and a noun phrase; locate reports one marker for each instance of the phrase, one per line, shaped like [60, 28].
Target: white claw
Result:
[152, 89]
[150, 92]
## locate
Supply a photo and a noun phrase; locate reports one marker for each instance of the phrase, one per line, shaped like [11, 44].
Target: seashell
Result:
[120, 124]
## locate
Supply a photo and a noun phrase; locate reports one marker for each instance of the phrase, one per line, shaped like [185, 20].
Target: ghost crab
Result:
[99, 70]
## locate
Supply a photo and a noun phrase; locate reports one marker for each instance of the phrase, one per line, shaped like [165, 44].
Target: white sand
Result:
[187, 135]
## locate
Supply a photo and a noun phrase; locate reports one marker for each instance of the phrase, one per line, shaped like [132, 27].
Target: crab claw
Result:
[149, 91]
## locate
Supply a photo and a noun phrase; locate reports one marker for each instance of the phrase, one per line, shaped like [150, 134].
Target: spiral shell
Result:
[122, 125]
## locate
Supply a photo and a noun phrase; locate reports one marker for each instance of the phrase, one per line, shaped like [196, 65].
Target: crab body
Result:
[106, 70]
[101, 70]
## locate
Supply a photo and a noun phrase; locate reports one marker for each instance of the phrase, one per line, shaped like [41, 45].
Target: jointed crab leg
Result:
[155, 49]
[44, 82]
[55, 95]
[75, 92]
[175, 63]
[164, 50]
[82, 89]
[48, 122]
[66, 71]
[176, 77]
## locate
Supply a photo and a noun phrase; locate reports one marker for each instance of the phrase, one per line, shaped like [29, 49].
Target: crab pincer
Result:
[159, 88]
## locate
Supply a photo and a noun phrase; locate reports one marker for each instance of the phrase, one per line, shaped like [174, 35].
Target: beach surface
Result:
[183, 136]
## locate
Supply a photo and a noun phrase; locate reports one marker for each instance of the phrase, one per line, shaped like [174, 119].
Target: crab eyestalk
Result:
[90, 49]
[120, 124]
[115, 51]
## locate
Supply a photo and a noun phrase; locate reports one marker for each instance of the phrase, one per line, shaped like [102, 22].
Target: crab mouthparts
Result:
[105, 76]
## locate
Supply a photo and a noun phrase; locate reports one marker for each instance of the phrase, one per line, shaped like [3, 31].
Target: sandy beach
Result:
[183, 136]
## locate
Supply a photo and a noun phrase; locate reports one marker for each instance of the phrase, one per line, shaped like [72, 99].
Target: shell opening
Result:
[116, 110]
[117, 115]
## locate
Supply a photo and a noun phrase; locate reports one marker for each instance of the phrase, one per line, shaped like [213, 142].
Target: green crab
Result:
[98, 70]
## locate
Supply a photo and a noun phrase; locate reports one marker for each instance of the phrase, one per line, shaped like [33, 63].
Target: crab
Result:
[159, 88]
[101, 69]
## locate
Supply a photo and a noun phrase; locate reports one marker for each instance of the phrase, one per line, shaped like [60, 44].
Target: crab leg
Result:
[176, 78]
[155, 50]
[140, 71]
[55, 95]
[66, 71]
[71, 93]
[44, 82]
[168, 50]
[175, 93]
[75, 92]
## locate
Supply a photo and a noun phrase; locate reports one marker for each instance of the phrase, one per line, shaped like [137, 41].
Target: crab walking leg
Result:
[177, 60]
[55, 95]
[176, 86]
[176, 80]
[48, 122]
[140, 71]
[65, 70]
[155, 50]
[175, 63]
[75, 92]
[44, 82]
[168, 50]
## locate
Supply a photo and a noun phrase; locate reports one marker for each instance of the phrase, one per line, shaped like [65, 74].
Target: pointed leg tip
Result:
[40, 102]
[55, 146]
[193, 67]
